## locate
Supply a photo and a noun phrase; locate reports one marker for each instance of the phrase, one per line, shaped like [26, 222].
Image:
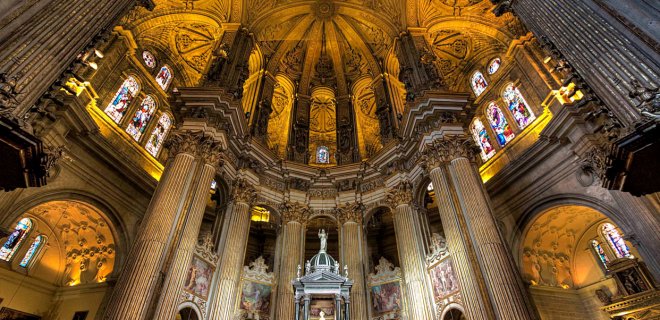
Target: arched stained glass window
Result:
[615, 240]
[149, 59]
[15, 239]
[141, 118]
[479, 83]
[518, 106]
[158, 135]
[600, 253]
[322, 155]
[494, 65]
[480, 135]
[122, 100]
[500, 125]
[37, 244]
[164, 77]
[429, 187]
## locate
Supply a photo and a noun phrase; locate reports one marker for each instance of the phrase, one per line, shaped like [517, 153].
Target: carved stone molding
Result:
[448, 148]
[258, 271]
[294, 211]
[438, 249]
[205, 248]
[242, 191]
[648, 97]
[350, 212]
[401, 194]
[210, 150]
[195, 143]
[385, 272]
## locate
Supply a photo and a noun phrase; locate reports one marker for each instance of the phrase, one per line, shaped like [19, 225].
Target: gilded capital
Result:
[293, 211]
[349, 212]
[195, 143]
[448, 148]
[401, 194]
[210, 150]
[243, 192]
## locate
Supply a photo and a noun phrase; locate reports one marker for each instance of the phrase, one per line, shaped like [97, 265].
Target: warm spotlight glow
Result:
[93, 65]
[260, 214]
[98, 53]
[547, 59]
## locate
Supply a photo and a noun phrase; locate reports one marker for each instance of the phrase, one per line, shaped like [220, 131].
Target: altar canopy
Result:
[322, 280]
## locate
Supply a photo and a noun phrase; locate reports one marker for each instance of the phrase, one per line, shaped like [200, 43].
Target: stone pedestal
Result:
[350, 218]
[293, 216]
[233, 253]
[410, 254]
[134, 292]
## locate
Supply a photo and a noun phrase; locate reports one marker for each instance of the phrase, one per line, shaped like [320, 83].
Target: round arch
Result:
[451, 310]
[193, 307]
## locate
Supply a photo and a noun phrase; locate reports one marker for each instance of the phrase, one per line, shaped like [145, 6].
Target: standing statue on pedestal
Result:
[324, 240]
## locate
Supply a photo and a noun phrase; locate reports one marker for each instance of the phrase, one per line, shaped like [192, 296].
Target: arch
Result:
[371, 212]
[122, 100]
[192, 307]
[615, 240]
[164, 77]
[364, 108]
[279, 121]
[158, 134]
[34, 250]
[141, 118]
[450, 310]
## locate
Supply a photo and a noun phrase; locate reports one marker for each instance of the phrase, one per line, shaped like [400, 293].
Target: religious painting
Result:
[481, 137]
[15, 239]
[198, 280]
[255, 297]
[122, 100]
[443, 279]
[11, 314]
[325, 306]
[615, 240]
[142, 116]
[479, 83]
[518, 106]
[164, 77]
[322, 155]
[386, 297]
[494, 65]
[500, 125]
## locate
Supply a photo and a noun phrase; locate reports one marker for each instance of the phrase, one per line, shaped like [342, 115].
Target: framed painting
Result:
[443, 279]
[255, 297]
[386, 297]
[198, 279]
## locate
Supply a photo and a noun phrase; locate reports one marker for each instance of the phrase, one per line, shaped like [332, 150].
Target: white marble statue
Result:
[324, 240]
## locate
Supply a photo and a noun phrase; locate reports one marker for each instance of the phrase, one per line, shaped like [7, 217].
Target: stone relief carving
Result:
[205, 248]
[438, 249]
[258, 271]
[294, 211]
[399, 195]
[448, 148]
[350, 212]
[242, 191]
[385, 271]
[648, 97]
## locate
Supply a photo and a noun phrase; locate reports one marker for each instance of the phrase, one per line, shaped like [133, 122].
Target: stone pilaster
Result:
[497, 267]
[350, 218]
[293, 216]
[134, 292]
[184, 246]
[233, 254]
[411, 257]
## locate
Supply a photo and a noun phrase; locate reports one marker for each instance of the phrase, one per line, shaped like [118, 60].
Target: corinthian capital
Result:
[294, 211]
[243, 192]
[448, 148]
[210, 150]
[401, 194]
[349, 212]
[195, 143]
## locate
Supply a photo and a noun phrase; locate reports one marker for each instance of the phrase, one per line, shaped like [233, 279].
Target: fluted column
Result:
[233, 254]
[410, 255]
[132, 296]
[350, 217]
[497, 267]
[293, 216]
[184, 247]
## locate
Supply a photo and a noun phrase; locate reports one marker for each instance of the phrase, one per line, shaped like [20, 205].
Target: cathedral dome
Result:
[322, 262]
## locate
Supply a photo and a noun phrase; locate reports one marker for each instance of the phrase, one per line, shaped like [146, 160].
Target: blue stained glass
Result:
[600, 252]
[32, 251]
[141, 118]
[500, 125]
[615, 240]
[478, 83]
[155, 142]
[480, 135]
[15, 239]
[122, 100]
[322, 155]
[518, 106]
[164, 77]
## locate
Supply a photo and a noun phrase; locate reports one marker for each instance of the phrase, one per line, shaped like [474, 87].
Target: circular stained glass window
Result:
[149, 59]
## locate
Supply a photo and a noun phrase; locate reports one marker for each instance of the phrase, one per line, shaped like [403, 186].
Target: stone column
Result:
[308, 299]
[293, 216]
[338, 305]
[184, 247]
[350, 218]
[475, 296]
[411, 258]
[233, 253]
[497, 267]
[133, 294]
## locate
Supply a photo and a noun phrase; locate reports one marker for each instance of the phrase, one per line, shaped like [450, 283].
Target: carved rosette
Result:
[448, 148]
[400, 195]
[195, 143]
[350, 212]
[242, 191]
[294, 212]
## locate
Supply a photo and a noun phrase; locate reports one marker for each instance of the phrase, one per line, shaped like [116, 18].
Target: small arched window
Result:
[615, 240]
[164, 77]
[478, 83]
[322, 155]
[15, 239]
[429, 187]
[149, 59]
[518, 106]
[141, 118]
[494, 65]
[122, 100]
[37, 244]
[480, 135]
[155, 142]
[598, 249]
[500, 125]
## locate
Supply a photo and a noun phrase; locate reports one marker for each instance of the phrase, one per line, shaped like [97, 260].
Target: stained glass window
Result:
[518, 106]
[164, 77]
[429, 187]
[322, 155]
[500, 125]
[141, 118]
[615, 240]
[15, 239]
[494, 65]
[600, 253]
[149, 59]
[32, 251]
[479, 83]
[158, 135]
[480, 135]
[122, 100]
